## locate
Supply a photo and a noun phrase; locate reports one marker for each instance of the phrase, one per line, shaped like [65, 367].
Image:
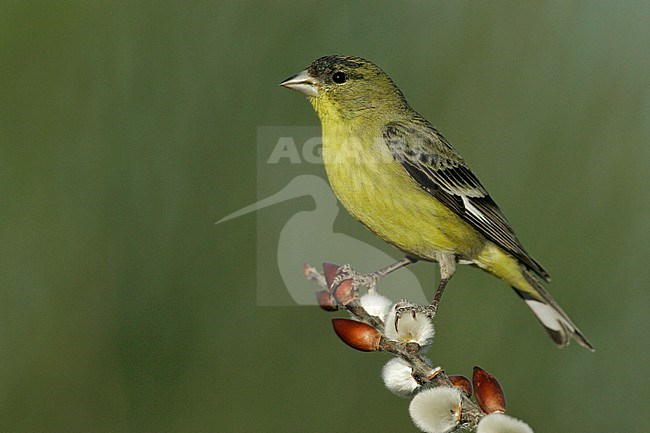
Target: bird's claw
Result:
[346, 272]
[343, 273]
[404, 306]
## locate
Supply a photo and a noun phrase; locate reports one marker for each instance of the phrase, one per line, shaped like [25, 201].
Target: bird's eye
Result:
[339, 77]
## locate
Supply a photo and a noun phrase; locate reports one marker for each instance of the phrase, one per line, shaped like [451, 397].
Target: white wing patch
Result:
[473, 210]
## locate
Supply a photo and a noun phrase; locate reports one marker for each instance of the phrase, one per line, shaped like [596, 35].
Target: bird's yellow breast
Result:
[378, 191]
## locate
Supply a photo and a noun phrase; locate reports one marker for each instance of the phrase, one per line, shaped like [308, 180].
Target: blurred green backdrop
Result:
[129, 128]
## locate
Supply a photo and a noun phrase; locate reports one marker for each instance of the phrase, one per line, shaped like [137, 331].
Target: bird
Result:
[400, 177]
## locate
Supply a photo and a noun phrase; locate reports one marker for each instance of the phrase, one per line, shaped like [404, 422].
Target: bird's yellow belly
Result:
[378, 191]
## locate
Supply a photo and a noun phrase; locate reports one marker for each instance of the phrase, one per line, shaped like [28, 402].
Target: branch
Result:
[380, 325]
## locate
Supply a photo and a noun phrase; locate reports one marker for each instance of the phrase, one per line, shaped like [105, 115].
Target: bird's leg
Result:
[395, 266]
[433, 307]
[447, 265]
[370, 280]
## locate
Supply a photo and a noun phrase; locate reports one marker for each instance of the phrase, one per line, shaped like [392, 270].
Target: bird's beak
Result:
[302, 82]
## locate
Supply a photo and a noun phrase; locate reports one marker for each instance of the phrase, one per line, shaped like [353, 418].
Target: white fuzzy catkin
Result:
[397, 377]
[419, 329]
[436, 410]
[501, 423]
[376, 304]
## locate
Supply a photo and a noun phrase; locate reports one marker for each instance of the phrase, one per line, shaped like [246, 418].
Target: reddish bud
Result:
[357, 335]
[488, 392]
[325, 300]
[344, 292]
[330, 270]
[461, 382]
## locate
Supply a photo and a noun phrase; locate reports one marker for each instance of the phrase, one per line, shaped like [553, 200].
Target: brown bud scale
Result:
[344, 292]
[329, 270]
[488, 392]
[462, 383]
[325, 300]
[356, 334]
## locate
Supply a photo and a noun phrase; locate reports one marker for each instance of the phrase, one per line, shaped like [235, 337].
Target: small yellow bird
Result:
[394, 172]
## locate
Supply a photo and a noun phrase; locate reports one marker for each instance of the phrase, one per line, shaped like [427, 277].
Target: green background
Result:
[128, 128]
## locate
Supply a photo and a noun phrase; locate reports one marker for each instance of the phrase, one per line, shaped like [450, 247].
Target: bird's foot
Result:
[346, 272]
[407, 307]
[367, 280]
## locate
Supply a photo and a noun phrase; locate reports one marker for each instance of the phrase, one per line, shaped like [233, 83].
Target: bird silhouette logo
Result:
[309, 236]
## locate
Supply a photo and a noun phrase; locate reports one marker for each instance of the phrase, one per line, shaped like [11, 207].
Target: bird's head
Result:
[346, 87]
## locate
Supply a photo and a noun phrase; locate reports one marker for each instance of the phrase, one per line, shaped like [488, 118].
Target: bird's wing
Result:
[436, 166]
